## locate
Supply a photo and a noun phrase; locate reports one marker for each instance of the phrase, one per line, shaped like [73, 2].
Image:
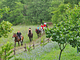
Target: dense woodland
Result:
[26, 11]
[31, 11]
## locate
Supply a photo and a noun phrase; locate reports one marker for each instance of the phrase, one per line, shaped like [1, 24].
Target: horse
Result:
[30, 35]
[17, 39]
[38, 32]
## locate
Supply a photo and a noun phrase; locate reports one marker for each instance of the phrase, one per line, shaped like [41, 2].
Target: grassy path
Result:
[37, 40]
[30, 43]
[24, 31]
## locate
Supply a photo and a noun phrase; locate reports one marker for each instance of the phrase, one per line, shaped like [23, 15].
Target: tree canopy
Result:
[5, 26]
[66, 31]
[26, 12]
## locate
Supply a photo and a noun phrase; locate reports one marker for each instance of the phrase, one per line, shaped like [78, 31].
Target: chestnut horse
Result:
[30, 35]
[17, 39]
[38, 32]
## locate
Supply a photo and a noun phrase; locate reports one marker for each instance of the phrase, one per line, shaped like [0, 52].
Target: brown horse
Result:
[38, 32]
[30, 35]
[17, 39]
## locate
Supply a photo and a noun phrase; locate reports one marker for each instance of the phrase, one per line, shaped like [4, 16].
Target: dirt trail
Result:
[20, 49]
[30, 43]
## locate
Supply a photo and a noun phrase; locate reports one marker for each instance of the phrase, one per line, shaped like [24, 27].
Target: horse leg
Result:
[18, 43]
[21, 42]
[15, 44]
[30, 39]
[38, 35]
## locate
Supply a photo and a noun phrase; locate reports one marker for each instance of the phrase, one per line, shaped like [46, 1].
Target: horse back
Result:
[30, 35]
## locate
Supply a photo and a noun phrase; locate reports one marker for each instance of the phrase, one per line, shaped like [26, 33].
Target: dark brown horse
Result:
[38, 32]
[17, 39]
[30, 35]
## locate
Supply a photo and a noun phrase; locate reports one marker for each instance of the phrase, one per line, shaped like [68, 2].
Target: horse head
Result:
[36, 30]
[14, 35]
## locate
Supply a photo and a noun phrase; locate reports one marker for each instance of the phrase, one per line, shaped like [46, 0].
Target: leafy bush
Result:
[7, 50]
[5, 28]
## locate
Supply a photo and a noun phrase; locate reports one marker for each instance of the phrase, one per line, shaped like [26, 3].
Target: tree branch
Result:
[59, 46]
[64, 46]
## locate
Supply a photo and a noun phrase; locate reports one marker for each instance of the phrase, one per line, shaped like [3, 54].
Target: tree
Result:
[26, 11]
[16, 15]
[5, 26]
[37, 11]
[72, 1]
[16, 12]
[66, 31]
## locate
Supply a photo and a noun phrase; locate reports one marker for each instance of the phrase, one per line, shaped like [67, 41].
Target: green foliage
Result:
[6, 48]
[4, 10]
[37, 11]
[71, 1]
[26, 12]
[5, 28]
[33, 11]
[18, 58]
[15, 16]
[54, 6]
[66, 31]
[58, 13]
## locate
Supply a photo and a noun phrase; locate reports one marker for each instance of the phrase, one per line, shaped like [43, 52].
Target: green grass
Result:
[24, 31]
[69, 53]
[51, 53]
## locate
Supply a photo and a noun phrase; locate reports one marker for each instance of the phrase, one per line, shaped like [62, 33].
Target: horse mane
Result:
[15, 33]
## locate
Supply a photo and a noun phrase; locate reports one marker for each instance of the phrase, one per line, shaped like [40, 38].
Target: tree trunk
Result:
[60, 54]
[61, 49]
[36, 22]
[0, 58]
[41, 21]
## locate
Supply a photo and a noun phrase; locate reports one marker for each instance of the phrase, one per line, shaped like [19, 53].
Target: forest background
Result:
[31, 11]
